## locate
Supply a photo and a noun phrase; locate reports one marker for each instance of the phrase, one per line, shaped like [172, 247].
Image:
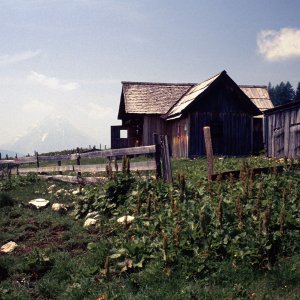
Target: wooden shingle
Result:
[152, 98]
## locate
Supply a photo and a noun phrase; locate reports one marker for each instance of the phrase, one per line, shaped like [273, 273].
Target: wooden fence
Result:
[160, 163]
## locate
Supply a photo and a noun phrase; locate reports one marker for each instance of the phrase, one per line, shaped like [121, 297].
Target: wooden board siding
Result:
[116, 140]
[134, 126]
[178, 134]
[152, 124]
[283, 132]
[258, 140]
[230, 120]
[232, 136]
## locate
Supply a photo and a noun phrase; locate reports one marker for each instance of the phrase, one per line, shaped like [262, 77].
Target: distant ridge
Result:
[52, 134]
[9, 153]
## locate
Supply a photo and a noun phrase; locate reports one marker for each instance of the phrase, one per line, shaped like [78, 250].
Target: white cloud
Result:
[99, 112]
[8, 59]
[36, 107]
[279, 45]
[52, 82]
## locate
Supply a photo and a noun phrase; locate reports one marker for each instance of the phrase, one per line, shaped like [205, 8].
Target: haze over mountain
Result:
[52, 134]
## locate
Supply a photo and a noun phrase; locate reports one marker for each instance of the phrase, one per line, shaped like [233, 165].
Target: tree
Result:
[289, 93]
[282, 93]
[297, 94]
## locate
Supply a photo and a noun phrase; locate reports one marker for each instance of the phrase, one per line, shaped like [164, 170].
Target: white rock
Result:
[93, 215]
[51, 187]
[9, 247]
[90, 222]
[125, 220]
[76, 192]
[59, 207]
[39, 203]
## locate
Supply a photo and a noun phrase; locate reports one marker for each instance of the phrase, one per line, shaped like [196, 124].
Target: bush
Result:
[5, 200]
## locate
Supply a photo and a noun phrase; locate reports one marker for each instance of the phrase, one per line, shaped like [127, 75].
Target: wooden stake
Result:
[166, 159]
[209, 152]
[78, 161]
[157, 155]
[59, 164]
[37, 159]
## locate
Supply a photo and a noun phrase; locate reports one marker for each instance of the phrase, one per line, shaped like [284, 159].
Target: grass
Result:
[58, 259]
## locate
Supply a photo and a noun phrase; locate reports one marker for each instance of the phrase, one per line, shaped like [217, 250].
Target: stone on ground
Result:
[9, 247]
[39, 203]
[93, 215]
[90, 222]
[125, 220]
[59, 207]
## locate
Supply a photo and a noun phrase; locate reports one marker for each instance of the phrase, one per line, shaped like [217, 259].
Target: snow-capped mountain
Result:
[52, 134]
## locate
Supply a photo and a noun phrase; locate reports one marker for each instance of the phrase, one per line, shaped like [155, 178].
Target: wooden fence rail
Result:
[160, 162]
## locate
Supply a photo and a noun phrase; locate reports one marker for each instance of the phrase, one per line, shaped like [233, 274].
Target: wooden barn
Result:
[182, 110]
[282, 130]
[142, 106]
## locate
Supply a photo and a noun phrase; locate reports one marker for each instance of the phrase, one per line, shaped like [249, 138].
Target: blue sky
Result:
[68, 58]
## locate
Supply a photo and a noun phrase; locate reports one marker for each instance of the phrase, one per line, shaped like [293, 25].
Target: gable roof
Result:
[200, 89]
[259, 95]
[170, 99]
[191, 95]
[150, 97]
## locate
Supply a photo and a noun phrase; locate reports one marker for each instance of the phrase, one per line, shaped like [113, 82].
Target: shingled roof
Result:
[151, 97]
[191, 95]
[259, 95]
[172, 98]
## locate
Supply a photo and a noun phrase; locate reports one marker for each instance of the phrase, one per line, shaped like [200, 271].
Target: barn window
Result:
[123, 133]
[216, 128]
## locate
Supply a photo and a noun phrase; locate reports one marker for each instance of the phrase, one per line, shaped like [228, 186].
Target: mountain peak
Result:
[51, 134]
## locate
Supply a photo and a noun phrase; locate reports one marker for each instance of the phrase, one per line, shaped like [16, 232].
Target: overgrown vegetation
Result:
[192, 239]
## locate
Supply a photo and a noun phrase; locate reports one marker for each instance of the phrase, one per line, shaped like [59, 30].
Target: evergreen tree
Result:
[289, 93]
[282, 93]
[271, 91]
[297, 94]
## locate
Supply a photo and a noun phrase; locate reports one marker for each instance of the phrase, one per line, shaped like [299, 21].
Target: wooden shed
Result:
[181, 111]
[259, 95]
[141, 106]
[282, 130]
[219, 103]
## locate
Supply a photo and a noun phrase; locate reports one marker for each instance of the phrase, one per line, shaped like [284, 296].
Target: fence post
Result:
[37, 160]
[59, 164]
[166, 159]
[209, 152]
[157, 155]
[78, 162]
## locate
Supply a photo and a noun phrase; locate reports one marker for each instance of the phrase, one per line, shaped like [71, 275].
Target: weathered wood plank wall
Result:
[178, 133]
[152, 124]
[228, 116]
[116, 140]
[282, 137]
[231, 134]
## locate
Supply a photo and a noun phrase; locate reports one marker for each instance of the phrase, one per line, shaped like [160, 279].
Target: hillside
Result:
[52, 134]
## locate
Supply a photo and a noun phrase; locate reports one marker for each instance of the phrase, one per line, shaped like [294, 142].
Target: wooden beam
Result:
[209, 152]
[135, 166]
[120, 152]
[75, 179]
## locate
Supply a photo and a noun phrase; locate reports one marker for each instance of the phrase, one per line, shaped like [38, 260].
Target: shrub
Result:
[5, 200]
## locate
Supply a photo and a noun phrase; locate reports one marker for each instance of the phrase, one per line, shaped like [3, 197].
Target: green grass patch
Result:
[189, 240]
